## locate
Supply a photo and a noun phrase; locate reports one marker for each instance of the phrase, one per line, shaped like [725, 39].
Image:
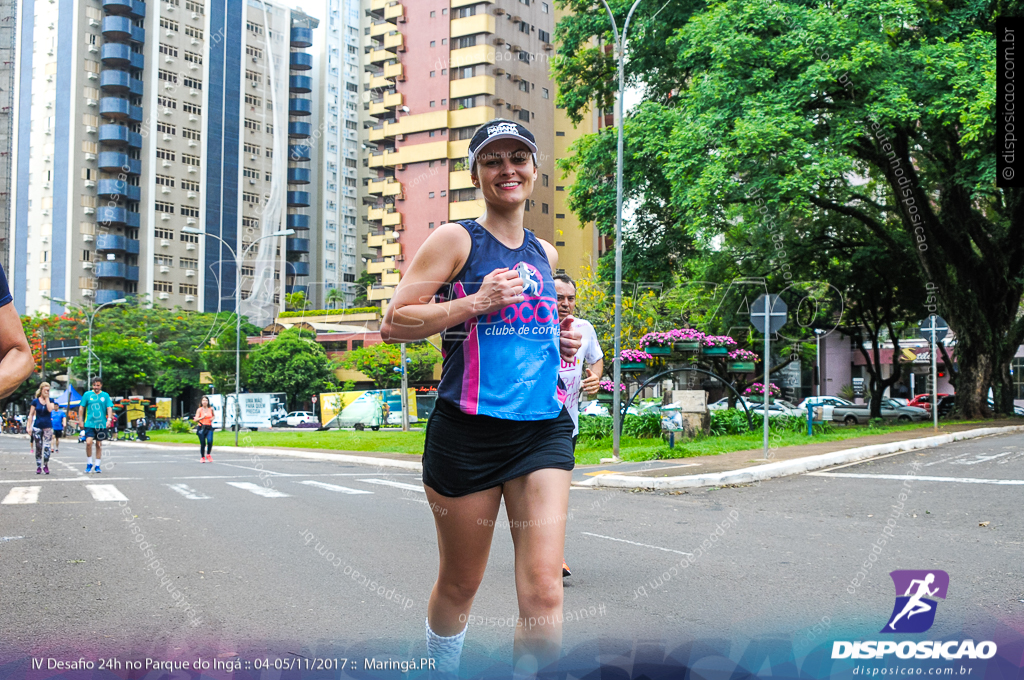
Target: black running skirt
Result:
[464, 454]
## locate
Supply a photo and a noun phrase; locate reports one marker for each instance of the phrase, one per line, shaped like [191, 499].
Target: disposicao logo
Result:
[914, 612]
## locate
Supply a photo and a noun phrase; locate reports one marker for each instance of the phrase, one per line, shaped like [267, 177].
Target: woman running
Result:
[499, 429]
[204, 416]
[40, 427]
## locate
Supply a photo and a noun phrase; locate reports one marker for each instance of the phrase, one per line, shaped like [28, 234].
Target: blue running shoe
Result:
[96, 469]
[88, 468]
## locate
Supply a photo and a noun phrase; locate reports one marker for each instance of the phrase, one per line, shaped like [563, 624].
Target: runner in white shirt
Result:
[572, 373]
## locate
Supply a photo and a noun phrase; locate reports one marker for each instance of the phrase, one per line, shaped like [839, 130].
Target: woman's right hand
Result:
[500, 288]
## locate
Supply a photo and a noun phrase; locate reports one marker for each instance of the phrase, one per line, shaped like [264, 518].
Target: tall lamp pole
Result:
[620, 53]
[239, 258]
[817, 361]
[118, 301]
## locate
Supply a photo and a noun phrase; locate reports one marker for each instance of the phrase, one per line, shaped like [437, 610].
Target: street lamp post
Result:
[817, 361]
[239, 259]
[118, 301]
[620, 53]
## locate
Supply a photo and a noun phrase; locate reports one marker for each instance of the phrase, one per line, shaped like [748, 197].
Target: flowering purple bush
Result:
[718, 341]
[634, 355]
[757, 390]
[743, 355]
[657, 339]
[608, 385]
[685, 335]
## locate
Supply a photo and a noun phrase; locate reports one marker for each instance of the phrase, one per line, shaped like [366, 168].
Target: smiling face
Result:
[505, 172]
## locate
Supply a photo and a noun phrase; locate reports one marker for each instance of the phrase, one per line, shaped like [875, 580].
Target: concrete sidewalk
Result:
[744, 467]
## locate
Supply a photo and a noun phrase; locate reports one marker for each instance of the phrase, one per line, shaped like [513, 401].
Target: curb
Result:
[295, 453]
[789, 467]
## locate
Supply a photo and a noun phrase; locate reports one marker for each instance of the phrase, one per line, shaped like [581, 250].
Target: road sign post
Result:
[768, 315]
[934, 329]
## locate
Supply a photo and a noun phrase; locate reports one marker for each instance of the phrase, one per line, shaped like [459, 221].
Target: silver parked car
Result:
[891, 410]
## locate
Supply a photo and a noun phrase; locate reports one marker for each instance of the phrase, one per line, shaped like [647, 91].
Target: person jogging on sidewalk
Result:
[40, 427]
[571, 372]
[204, 417]
[94, 412]
[499, 429]
[57, 418]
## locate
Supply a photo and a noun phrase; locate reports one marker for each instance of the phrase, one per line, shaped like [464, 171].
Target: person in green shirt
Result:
[95, 409]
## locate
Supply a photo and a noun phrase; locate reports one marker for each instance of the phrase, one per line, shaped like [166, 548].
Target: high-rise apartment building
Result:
[8, 40]
[436, 70]
[138, 122]
[340, 73]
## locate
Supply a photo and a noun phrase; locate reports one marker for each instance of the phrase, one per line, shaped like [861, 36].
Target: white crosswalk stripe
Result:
[188, 492]
[335, 487]
[105, 492]
[397, 485]
[259, 490]
[20, 495]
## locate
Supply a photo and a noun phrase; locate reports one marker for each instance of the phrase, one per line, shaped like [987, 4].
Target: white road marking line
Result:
[642, 545]
[259, 490]
[923, 478]
[77, 469]
[4, 539]
[397, 485]
[83, 478]
[21, 495]
[261, 470]
[105, 492]
[188, 492]
[335, 487]
[982, 459]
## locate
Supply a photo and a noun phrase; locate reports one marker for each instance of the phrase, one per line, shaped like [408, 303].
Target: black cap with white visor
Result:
[500, 129]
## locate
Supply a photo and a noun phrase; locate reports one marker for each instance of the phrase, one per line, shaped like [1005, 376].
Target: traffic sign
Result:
[776, 314]
[62, 349]
[933, 325]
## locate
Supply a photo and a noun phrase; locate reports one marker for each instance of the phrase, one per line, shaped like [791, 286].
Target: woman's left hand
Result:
[570, 340]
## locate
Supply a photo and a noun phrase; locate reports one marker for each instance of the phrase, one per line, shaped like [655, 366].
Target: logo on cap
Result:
[502, 128]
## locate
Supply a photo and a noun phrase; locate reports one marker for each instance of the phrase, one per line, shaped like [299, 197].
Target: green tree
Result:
[335, 298]
[798, 103]
[292, 363]
[128, 361]
[364, 283]
[296, 301]
[378, 363]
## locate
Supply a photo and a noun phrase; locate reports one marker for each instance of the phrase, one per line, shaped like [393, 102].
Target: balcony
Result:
[300, 61]
[468, 87]
[298, 130]
[119, 82]
[111, 243]
[467, 56]
[110, 270]
[116, 108]
[298, 175]
[298, 199]
[298, 222]
[118, 190]
[117, 29]
[114, 54]
[297, 245]
[395, 11]
[132, 8]
[480, 23]
[300, 107]
[394, 42]
[298, 153]
[119, 135]
[298, 269]
[296, 289]
[301, 37]
[114, 161]
[131, 273]
[105, 295]
[300, 84]
[385, 187]
[112, 216]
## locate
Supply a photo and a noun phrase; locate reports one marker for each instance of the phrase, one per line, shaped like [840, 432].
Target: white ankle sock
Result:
[446, 651]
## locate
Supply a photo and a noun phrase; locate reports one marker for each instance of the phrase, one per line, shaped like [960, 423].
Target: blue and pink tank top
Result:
[504, 364]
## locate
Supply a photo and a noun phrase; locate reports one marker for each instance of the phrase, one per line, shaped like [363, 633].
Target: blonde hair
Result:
[39, 390]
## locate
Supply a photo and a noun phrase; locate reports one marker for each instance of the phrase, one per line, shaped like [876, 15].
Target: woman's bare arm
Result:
[411, 315]
[17, 363]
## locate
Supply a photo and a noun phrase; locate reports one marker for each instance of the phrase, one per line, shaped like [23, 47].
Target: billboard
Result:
[258, 408]
[372, 408]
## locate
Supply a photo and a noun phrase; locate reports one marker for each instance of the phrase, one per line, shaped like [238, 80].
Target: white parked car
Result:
[778, 407]
[296, 418]
[827, 403]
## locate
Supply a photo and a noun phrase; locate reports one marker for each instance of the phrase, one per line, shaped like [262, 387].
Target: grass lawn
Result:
[587, 452]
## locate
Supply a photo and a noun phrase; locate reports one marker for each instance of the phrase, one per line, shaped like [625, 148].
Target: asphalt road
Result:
[240, 573]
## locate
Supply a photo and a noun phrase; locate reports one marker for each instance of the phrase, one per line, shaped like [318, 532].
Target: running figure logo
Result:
[914, 612]
[533, 282]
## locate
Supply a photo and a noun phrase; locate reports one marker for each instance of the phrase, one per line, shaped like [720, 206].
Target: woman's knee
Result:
[541, 592]
[458, 588]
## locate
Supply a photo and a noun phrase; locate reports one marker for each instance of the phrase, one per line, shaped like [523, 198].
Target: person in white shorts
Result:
[571, 373]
